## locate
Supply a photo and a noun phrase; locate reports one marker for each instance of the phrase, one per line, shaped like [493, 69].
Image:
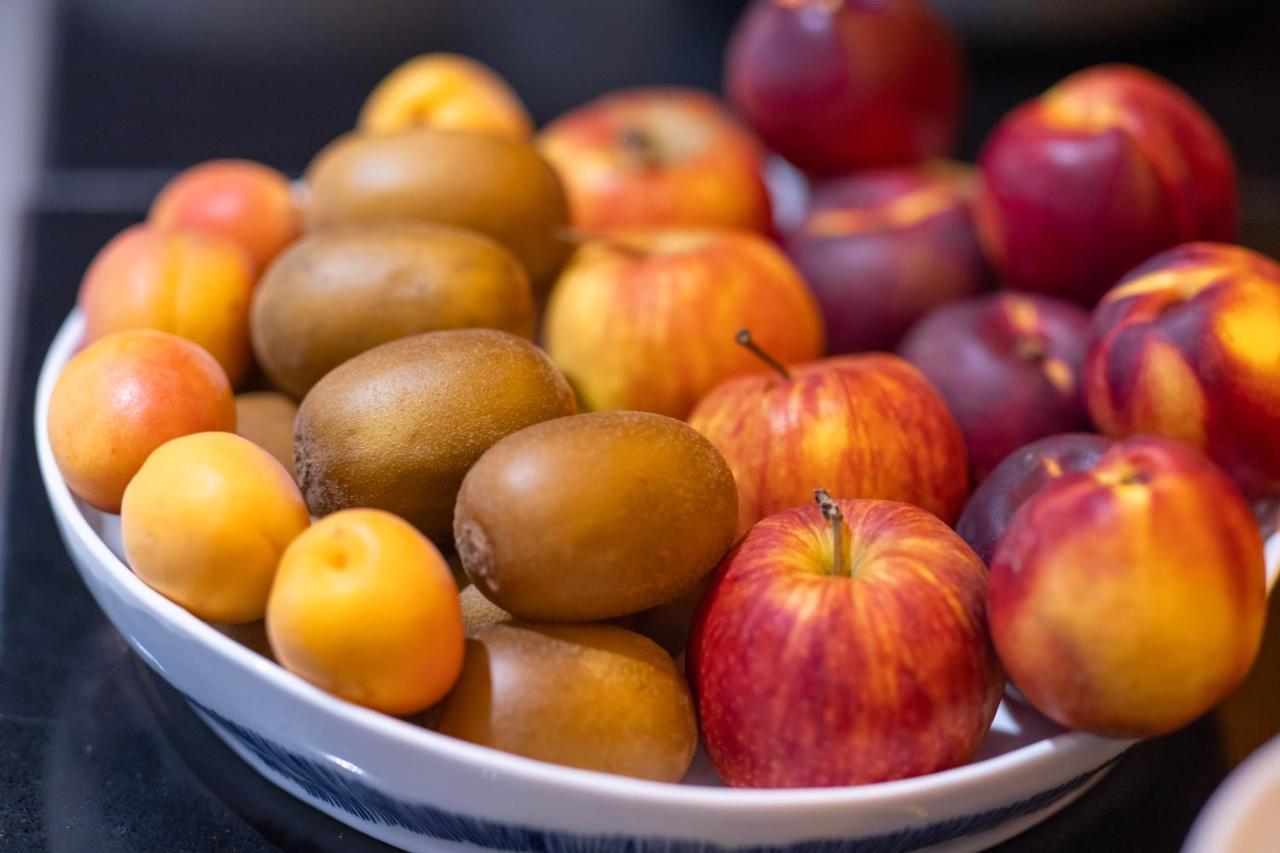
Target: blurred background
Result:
[102, 100]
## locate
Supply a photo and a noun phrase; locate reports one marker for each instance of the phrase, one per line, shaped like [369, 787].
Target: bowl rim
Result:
[1024, 759]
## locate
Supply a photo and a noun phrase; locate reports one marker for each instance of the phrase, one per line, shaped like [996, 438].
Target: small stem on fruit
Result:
[1031, 349]
[744, 339]
[831, 512]
[641, 147]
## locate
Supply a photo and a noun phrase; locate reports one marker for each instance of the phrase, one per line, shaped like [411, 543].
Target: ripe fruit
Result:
[196, 286]
[1188, 346]
[123, 396]
[444, 91]
[342, 291]
[870, 426]
[594, 516]
[205, 521]
[499, 187]
[839, 85]
[592, 696]
[844, 649]
[1023, 473]
[646, 320]
[364, 607]
[266, 418]
[244, 202]
[658, 158]
[1128, 599]
[1107, 168]
[397, 427]
[1009, 366]
[882, 248]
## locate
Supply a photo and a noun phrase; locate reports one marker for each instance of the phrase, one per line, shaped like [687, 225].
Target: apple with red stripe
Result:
[842, 646]
[1188, 346]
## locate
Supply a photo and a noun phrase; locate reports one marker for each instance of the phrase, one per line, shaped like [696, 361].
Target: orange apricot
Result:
[365, 607]
[122, 397]
[205, 522]
[446, 92]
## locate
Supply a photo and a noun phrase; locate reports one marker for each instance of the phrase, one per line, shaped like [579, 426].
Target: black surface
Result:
[95, 753]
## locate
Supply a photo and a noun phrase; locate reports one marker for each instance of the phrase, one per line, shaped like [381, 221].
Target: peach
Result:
[1107, 168]
[122, 397]
[1188, 346]
[193, 285]
[1129, 599]
[1009, 366]
[205, 521]
[248, 203]
[364, 606]
[646, 320]
[658, 158]
[446, 92]
[883, 248]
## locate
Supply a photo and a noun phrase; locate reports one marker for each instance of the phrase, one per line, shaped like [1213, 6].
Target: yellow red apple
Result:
[843, 648]
[670, 158]
[646, 320]
[882, 248]
[1102, 171]
[1128, 599]
[1188, 346]
[865, 426]
[1009, 366]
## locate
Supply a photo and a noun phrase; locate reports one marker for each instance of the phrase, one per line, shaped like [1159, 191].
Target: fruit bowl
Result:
[415, 788]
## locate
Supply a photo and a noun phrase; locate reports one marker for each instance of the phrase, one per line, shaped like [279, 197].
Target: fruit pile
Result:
[788, 514]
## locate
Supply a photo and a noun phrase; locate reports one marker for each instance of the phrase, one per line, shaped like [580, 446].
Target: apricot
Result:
[196, 286]
[245, 202]
[122, 397]
[364, 606]
[205, 521]
[266, 418]
[446, 92]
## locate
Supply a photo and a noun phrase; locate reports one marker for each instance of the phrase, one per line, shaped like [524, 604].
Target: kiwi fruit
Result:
[598, 697]
[595, 516]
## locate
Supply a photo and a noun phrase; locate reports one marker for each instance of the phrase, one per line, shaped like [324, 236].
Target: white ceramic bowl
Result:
[1244, 814]
[423, 791]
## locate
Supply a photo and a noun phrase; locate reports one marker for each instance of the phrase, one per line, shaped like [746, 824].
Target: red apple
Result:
[883, 248]
[1098, 174]
[869, 426]
[1009, 367]
[1128, 599]
[1188, 346]
[1023, 473]
[836, 85]
[658, 158]
[841, 658]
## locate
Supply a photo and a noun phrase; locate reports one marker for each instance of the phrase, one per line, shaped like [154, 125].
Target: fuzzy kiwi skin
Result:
[397, 427]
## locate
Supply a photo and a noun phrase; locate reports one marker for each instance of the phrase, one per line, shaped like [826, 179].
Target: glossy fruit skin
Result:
[839, 85]
[500, 187]
[1019, 476]
[339, 292]
[247, 203]
[1102, 171]
[864, 426]
[363, 606]
[597, 697]
[194, 285]
[807, 678]
[123, 396]
[205, 521]
[1128, 599]
[595, 516]
[647, 321]
[397, 427]
[444, 91]
[658, 158]
[266, 418]
[1187, 347]
[1010, 368]
[882, 248]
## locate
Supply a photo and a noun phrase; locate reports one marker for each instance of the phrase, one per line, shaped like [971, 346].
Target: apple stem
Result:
[744, 339]
[831, 512]
[1031, 349]
[641, 147]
